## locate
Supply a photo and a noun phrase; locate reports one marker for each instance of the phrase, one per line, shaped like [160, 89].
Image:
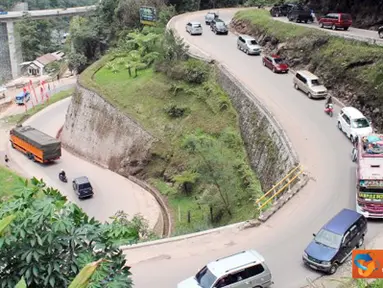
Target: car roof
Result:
[342, 221]
[307, 74]
[274, 56]
[247, 37]
[81, 180]
[223, 265]
[353, 112]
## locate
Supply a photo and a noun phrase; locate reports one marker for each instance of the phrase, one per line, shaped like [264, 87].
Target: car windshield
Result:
[279, 61]
[252, 42]
[205, 278]
[315, 82]
[85, 186]
[220, 24]
[196, 25]
[360, 123]
[328, 239]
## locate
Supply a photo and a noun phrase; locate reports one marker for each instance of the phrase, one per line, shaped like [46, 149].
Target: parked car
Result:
[248, 45]
[281, 10]
[275, 63]
[219, 27]
[380, 32]
[3, 89]
[194, 28]
[210, 16]
[353, 123]
[336, 21]
[242, 270]
[334, 243]
[309, 84]
[300, 14]
[82, 187]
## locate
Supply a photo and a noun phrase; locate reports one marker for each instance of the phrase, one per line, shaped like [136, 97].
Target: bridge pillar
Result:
[10, 52]
[5, 60]
[15, 53]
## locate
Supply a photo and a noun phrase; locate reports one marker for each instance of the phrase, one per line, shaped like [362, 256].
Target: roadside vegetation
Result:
[199, 162]
[19, 118]
[353, 70]
[47, 240]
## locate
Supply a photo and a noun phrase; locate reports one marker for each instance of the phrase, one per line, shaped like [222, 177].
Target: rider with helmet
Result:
[328, 101]
[62, 173]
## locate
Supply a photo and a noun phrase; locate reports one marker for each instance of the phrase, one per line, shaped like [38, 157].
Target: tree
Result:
[215, 169]
[76, 62]
[50, 240]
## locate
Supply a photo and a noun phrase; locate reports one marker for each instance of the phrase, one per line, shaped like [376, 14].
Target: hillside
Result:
[366, 13]
[351, 70]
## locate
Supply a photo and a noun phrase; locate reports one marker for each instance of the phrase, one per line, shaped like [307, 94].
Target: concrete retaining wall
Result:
[5, 60]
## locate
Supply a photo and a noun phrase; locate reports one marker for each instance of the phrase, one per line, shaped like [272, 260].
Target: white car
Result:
[2, 89]
[194, 28]
[353, 123]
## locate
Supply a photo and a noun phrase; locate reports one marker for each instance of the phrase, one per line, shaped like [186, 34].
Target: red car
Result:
[336, 21]
[275, 63]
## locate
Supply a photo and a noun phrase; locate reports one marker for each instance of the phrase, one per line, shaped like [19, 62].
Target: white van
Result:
[353, 123]
[246, 269]
[309, 83]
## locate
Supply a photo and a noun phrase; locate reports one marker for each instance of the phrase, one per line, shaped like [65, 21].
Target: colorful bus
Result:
[368, 153]
[22, 97]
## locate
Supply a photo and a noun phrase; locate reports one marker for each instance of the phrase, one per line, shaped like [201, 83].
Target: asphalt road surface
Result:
[324, 151]
[112, 191]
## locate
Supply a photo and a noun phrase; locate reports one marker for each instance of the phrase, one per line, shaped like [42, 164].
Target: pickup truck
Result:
[210, 16]
[37, 145]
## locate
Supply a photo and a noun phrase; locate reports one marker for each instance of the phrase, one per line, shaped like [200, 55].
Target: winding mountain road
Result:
[323, 150]
[112, 191]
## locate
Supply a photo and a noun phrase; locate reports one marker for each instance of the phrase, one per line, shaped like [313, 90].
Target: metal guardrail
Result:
[281, 186]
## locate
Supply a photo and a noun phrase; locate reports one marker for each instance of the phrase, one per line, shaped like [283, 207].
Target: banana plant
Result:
[5, 222]
[80, 281]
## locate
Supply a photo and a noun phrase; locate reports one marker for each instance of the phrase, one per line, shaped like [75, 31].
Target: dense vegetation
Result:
[353, 70]
[199, 162]
[49, 240]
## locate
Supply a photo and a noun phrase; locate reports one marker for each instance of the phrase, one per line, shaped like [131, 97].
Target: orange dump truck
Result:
[37, 145]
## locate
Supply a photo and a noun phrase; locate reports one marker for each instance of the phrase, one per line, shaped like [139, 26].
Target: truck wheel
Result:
[13, 146]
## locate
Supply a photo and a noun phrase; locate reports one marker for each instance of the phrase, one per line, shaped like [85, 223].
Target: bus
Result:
[368, 154]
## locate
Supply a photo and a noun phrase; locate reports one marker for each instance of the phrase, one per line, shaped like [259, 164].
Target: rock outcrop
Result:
[101, 133]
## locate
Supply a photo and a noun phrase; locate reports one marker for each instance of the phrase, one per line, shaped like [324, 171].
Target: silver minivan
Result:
[248, 45]
[309, 84]
[194, 28]
[246, 269]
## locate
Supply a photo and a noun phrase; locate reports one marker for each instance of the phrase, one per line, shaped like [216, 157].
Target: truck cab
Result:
[22, 98]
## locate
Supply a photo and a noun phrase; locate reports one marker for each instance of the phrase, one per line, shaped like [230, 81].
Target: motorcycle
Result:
[63, 178]
[329, 109]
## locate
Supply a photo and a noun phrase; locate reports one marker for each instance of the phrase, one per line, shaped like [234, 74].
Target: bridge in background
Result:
[10, 54]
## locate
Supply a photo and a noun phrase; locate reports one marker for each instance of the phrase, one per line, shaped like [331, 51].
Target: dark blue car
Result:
[334, 243]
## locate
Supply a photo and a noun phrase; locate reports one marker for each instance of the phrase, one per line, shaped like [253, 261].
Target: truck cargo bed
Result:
[51, 147]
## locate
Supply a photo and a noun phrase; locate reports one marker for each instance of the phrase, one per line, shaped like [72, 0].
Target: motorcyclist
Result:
[328, 101]
[62, 173]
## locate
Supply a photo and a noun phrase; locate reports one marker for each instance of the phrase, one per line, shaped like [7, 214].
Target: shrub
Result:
[175, 111]
[196, 71]
[185, 181]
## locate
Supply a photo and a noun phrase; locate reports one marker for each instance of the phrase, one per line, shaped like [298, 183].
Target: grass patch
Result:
[197, 128]
[10, 183]
[354, 66]
[19, 118]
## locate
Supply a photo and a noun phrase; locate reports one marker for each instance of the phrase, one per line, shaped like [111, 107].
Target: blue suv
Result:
[334, 243]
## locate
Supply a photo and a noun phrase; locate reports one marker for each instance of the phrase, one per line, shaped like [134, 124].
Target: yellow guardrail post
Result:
[297, 171]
